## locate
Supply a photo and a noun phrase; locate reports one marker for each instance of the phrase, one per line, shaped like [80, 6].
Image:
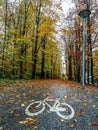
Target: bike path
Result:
[15, 97]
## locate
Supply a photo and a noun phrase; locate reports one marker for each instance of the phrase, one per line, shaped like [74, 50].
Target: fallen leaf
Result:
[11, 112]
[89, 92]
[75, 121]
[94, 105]
[23, 122]
[35, 127]
[62, 120]
[94, 124]
[22, 105]
[84, 104]
[65, 96]
[16, 96]
[71, 125]
[83, 112]
[28, 120]
[17, 115]
[78, 114]
[32, 122]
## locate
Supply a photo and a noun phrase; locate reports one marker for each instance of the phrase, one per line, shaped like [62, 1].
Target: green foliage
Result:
[1, 2]
[26, 28]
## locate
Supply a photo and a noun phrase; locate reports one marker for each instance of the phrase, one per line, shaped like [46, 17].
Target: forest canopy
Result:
[28, 46]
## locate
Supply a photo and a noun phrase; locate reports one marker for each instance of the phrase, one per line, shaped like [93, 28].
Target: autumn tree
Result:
[27, 33]
[76, 31]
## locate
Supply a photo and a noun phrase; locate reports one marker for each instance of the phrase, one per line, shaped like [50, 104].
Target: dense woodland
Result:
[32, 40]
[28, 45]
[73, 41]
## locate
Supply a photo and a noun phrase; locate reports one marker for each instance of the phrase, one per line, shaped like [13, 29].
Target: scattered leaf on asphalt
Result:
[65, 96]
[94, 124]
[75, 121]
[23, 122]
[16, 96]
[83, 112]
[22, 105]
[82, 101]
[71, 125]
[62, 120]
[35, 127]
[84, 104]
[28, 120]
[78, 114]
[94, 105]
[17, 115]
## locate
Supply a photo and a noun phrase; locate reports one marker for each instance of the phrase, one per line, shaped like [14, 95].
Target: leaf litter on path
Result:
[38, 90]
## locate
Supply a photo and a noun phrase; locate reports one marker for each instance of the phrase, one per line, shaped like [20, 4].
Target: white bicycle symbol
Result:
[63, 110]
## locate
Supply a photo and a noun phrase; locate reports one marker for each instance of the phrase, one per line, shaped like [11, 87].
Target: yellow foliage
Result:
[1, 35]
[67, 32]
[47, 27]
[94, 57]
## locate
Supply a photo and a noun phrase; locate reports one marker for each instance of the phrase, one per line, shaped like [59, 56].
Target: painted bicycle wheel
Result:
[65, 111]
[35, 108]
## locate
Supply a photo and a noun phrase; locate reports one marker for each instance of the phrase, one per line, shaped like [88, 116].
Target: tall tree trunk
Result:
[34, 58]
[90, 75]
[69, 67]
[51, 75]
[21, 53]
[43, 42]
[38, 11]
[23, 46]
[43, 61]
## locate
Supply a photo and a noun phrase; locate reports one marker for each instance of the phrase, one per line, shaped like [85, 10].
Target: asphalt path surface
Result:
[15, 97]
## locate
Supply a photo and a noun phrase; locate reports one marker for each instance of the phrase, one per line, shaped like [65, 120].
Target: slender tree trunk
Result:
[51, 65]
[70, 68]
[36, 40]
[23, 46]
[90, 60]
[43, 42]
[34, 59]
[43, 61]
[21, 53]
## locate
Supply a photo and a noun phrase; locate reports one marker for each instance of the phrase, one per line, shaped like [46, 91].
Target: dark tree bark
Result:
[38, 11]
[43, 62]
[90, 76]
[70, 68]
